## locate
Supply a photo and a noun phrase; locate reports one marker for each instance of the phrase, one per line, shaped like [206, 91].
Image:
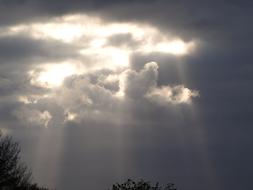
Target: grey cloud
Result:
[177, 94]
[137, 84]
[205, 21]
[30, 51]
[85, 98]
[196, 19]
[33, 117]
[144, 84]
[123, 40]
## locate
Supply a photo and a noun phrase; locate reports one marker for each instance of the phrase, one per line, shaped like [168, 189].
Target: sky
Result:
[100, 91]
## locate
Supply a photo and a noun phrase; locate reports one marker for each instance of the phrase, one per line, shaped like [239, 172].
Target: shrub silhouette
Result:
[141, 185]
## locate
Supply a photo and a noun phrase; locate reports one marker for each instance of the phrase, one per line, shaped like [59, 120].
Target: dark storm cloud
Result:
[195, 19]
[222, 23]
[27, 10]
[23, 49]
[219, 24]
[224, 80]
[186, 18]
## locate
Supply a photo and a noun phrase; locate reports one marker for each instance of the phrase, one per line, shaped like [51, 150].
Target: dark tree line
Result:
[141, 185]
[14, 174]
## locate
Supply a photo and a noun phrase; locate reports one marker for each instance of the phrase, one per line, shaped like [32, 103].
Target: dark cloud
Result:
[30, 51]
[122, 40]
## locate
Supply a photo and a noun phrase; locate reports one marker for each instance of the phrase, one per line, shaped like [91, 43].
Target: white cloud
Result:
[100, 96]
[103, 95]
[135, 84]
[144, 83]
[176, 95]
[50, 75]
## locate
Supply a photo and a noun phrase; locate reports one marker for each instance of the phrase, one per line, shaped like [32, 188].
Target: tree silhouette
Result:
[141, 185]
[14, 174]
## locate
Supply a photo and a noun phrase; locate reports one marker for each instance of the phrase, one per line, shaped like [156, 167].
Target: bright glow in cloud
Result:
[112, 58]
[65, 32]
[52, 75]
[82, 27]
[92, 35]
[95, 51]
[176, 47]
[73, 27]
[70, 116]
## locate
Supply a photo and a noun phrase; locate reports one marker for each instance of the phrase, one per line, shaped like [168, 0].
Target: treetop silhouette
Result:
[141, 185]
[14, 174]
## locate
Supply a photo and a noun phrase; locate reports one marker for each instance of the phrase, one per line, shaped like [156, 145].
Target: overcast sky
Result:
[100, 91]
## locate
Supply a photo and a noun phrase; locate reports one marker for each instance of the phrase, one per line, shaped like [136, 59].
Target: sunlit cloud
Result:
[97, 80]
[72, 27]
[144, 84]
[176, 47]
[28, 99]
[32, 98]
[92, 36]
[83, 98]
[69, 116]
[53, 75]
[110, 58]
[172, 95]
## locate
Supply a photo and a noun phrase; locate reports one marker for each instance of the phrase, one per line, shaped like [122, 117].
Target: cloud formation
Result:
[83, 97]
[82, 65]
[174, 95]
